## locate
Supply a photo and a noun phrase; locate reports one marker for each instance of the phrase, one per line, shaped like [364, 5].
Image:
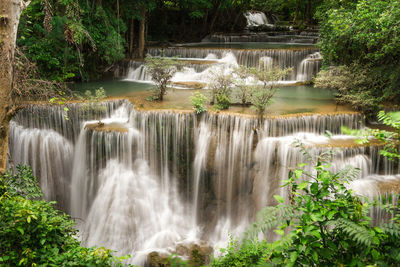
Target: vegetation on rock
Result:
[162, 70]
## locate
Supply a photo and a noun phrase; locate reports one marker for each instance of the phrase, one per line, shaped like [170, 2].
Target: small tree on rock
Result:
[265, 87]
[244, 89]
[221, 88]
[162, 70]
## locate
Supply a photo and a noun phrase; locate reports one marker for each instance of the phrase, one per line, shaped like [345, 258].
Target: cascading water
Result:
[305, 62]
[309, 67]
[257, 18]
[160, 179]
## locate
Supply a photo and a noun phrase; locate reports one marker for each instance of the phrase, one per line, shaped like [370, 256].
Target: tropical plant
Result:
[364, 36]
[353, 85]
[244, 89]
[388, 138]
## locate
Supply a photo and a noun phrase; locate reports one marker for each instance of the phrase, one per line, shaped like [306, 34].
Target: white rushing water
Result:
[257, 18]
[305, 63]
[163, 179]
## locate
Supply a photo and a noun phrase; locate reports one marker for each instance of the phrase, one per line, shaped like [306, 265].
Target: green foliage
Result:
[389, 138]
[245, 90]
[71, 39]
[321, 223]
[199, 102]
[92, 100]
[354, 86]
[61, 100]
[221, 88]
[222, 101]
[33, 232]
[365, 33]
[23, 183]
[162, 70]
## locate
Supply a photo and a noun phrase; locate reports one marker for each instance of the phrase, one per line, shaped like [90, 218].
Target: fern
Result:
[391, 229]
[267, 219]
[357, 233]
[349, 173]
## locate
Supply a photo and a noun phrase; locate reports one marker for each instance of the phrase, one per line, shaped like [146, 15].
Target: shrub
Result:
[265, 87]
[223, 101]
[33, 232]
[199, 102]
[221, 88]
[354, 85]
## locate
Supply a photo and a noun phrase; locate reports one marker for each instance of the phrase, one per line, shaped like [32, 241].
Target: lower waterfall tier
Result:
[174, 178]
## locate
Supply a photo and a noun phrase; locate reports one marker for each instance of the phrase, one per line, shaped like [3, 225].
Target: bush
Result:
[365, 33]
[223, 101]
[199, 102]
[354, 85]
[265, 87]
[221, 88]
[33, 232]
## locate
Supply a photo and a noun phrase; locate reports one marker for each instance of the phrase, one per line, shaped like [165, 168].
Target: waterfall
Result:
[303, 38]
[306, 62]
[137, 72]
[309, 67]
[265, 63]
[50, 156]
[256, 18]
[149, 180]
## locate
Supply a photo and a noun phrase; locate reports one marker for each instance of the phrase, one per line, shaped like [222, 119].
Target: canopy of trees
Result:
[364, 37]
[80, 40]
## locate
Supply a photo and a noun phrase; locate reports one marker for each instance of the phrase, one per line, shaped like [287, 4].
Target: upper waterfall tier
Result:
[305, 62]
[257, 18]
[305, 38]
[246, 57]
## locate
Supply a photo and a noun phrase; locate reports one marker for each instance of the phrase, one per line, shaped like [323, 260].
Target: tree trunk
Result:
[10, 12]
[142, 29]
[214, 19]
[308, 17]
[237, 17]
[131, 37]
[296, 13]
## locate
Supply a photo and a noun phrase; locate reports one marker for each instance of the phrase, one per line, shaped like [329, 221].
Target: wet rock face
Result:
[198, 254]
[157, 259]
[195, 254]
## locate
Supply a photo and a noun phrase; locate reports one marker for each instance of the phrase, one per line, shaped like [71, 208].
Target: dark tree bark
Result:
[131, 38]
[10, 12]
[142, 32]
